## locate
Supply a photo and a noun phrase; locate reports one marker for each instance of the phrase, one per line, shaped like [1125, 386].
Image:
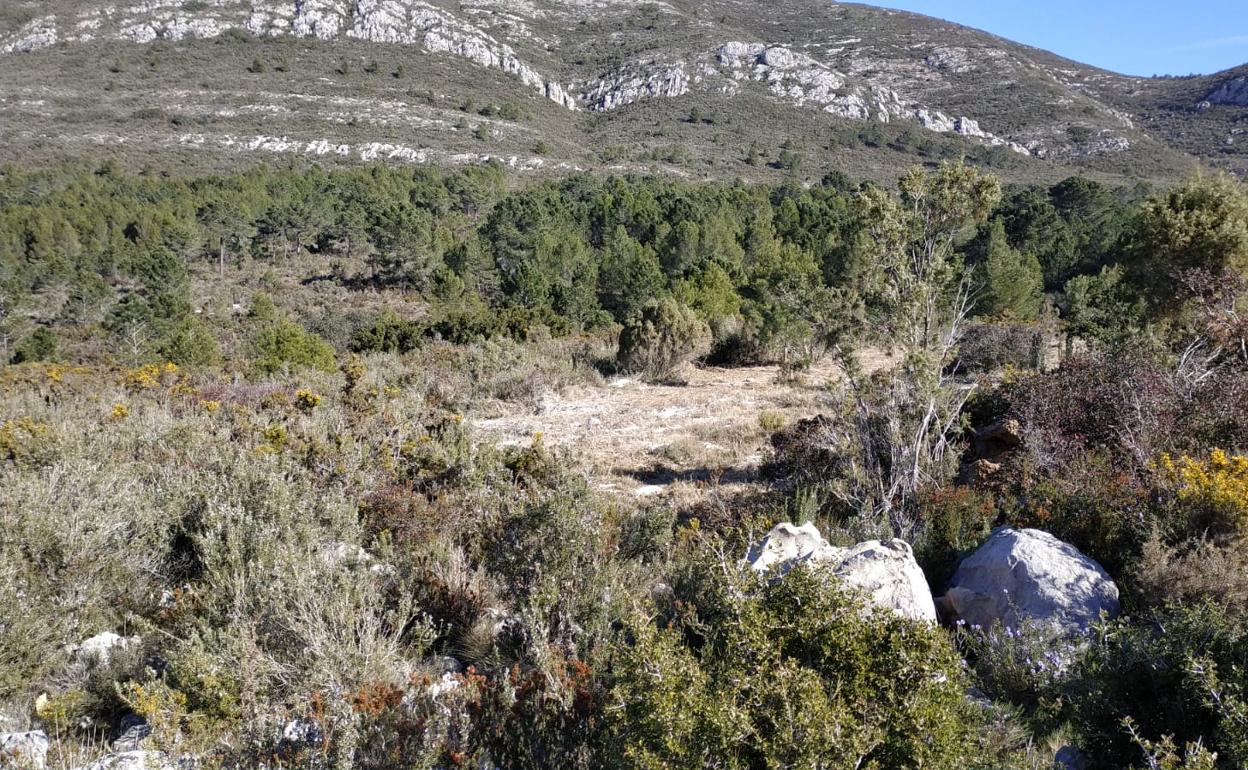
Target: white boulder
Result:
[1028, 577]
[786, 546]
[99, 648]
[885, 571]
[24, 750]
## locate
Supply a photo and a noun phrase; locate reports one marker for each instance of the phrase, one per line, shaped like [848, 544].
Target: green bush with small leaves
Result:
[752, 673]
[661, 338]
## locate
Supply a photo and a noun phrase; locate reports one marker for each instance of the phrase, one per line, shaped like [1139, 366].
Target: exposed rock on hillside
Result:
[24, 751]
[760, 70]
[637, 83]
[406, 22]
[1234, 93]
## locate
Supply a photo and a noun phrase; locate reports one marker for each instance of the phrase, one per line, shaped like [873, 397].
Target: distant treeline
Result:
[113, 249]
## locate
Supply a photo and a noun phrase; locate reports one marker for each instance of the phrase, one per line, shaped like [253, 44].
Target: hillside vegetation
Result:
[697, 90]
[247, 518]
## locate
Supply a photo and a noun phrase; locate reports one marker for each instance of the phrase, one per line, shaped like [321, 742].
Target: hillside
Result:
[697, 89]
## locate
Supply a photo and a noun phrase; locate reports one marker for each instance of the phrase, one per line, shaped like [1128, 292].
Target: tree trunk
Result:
[221, 259]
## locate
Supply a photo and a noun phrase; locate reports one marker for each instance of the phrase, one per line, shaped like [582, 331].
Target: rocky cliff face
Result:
[799, 61]
[1233, 93]
[405, 22]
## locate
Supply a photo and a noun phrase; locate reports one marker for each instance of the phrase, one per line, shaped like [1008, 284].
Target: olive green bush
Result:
[663, 336]
[282, 344]
[790, 673]
[1179, 676]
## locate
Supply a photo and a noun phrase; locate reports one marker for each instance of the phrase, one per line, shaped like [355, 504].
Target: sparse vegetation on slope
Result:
[291, 545]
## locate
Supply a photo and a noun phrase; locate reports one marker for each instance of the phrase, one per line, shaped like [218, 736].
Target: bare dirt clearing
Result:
[654, 439]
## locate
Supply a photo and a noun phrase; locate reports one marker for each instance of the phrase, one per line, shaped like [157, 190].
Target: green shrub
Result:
[190, 343]
[39, 345]
[389, 333]
[1181, 675]
[283, 344]
[792, 673]
[664, 336]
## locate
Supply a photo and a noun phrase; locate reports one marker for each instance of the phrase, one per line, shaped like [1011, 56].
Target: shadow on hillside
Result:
[664, 475]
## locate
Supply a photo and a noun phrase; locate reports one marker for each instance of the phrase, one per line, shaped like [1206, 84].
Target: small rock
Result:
[133, 731]
[301, 733]
[787, 546]
[24, 750]
[133, 760]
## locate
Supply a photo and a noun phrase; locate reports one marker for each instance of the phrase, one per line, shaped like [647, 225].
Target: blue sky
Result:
[1139, 37]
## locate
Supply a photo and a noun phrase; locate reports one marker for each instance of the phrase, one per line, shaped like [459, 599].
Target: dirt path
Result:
[652, 439]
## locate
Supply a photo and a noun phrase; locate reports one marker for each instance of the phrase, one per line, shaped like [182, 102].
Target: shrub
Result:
[1026, 666]
[389, 333]
[1215, 490]
[793, 673]
[283, 344]
[662, 337]
[1181, 675]
[992, 347]
[1194, 571]
[190, 343]
[953, 522]
[39, 345]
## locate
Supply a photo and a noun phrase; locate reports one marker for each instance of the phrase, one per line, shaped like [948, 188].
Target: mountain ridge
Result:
[555, 84]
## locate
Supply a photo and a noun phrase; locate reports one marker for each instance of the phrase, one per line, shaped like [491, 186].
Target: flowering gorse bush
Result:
[306, 400]
[1218, 485]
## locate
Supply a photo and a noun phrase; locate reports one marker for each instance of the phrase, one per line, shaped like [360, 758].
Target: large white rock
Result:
[786, 546]
[21, 751]
[886, 572]
[1025, 576]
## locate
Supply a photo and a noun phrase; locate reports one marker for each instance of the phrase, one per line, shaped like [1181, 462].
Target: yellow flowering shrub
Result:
[150, 376]
[306, 400]
[120, 412]
[1218, 484]
[210, 406]
[25, 441]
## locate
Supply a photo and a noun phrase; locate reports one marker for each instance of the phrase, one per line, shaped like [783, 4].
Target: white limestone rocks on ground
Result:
[793, 76]
[886, 572]
[36, 34]
[803, 80]
[647, 80]
[1026, 577]
[136, 760]
[24, 751]
[99, 649]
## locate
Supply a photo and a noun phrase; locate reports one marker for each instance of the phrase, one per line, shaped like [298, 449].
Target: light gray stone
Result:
[99, 649]
[23, 751]
[885, 572]
[133, 760]
[1029, 577]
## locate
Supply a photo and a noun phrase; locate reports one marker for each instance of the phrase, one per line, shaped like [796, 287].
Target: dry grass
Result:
[643, 437]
